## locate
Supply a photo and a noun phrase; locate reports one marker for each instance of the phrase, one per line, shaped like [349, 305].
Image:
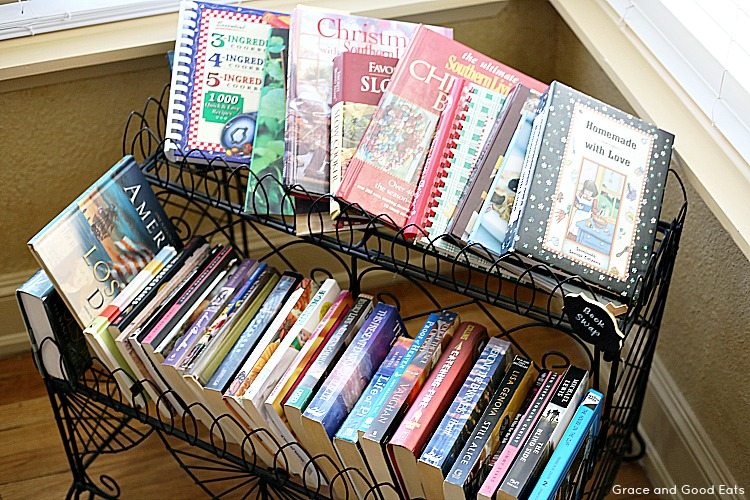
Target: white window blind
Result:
[705, 45]
[30, 17]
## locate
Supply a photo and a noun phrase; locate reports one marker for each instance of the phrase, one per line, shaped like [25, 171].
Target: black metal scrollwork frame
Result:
[93, 417]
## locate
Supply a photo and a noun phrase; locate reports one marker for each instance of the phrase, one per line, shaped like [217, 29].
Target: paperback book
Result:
[343, 387]
[407, 443]
[468, 471]
[520, 435]
[564, 474]
[346, 440]
[456, 425]
[546, 435]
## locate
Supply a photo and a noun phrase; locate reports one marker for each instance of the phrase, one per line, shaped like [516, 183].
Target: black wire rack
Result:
[94, 418]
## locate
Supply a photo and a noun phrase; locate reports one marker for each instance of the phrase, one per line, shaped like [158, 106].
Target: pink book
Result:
[520, 435]
[190, 294]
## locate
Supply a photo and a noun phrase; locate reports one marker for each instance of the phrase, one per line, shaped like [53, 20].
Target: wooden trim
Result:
[154, 35]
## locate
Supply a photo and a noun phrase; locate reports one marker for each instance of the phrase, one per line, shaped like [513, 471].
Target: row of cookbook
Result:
[352, 116]
[447, 412]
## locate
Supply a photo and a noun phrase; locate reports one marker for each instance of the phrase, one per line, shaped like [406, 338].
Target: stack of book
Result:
[344, 120]
[350, 118]
[446, 411]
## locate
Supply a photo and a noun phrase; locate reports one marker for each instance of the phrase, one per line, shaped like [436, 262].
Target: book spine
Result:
[151, 289]
[419, 340]
[337, 129]
[195, 288]
[527, 174]
[184, 52]
[406, 388]
[518, 439]
[441, 387]
[249, 337]
[582, 426]
[356, 367]
[349, 429]
[209, 313]
[331, 352]
[557, 415]
[470, 402]
[494, 422]
[226, 315]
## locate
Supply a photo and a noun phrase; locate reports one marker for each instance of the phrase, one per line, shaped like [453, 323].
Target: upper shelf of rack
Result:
[533, 291]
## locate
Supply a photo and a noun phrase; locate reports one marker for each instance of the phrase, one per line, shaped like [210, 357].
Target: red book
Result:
[359, 81]
[384, 174]
[437, 162]
[407, 443]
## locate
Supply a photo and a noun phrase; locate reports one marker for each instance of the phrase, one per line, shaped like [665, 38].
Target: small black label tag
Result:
[592, 322]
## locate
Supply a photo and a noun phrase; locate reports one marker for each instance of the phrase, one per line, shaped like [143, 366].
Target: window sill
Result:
[713, 167]
[148, 36]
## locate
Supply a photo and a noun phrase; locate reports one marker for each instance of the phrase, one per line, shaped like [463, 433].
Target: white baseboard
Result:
[678, 450]
[13, 337]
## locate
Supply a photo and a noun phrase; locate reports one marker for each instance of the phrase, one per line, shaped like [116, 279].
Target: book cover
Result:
[398, 402]
[317, 37]
[45, 315]
[103, 239]
[407, 443]
[346, 440]
[359, 81]
[456, 425]
[343, 387]
[560, 476]
[595, 183]
[253, 332]
[488, 163]
[546, 435]
[466, 475]
[220, 52]
[490, 226]
[265, 189]
[384, 173]
[520, 435]
[326, 359]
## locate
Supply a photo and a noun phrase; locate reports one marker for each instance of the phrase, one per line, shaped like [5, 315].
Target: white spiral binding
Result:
[183, 56]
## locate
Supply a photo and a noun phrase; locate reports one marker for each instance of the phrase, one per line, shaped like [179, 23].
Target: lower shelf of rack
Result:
[32, 465]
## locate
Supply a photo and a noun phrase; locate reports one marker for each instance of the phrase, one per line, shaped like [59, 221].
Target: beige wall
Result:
[63, 131]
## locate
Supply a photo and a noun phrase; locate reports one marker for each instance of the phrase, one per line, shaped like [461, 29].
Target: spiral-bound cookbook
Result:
[217, 76]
